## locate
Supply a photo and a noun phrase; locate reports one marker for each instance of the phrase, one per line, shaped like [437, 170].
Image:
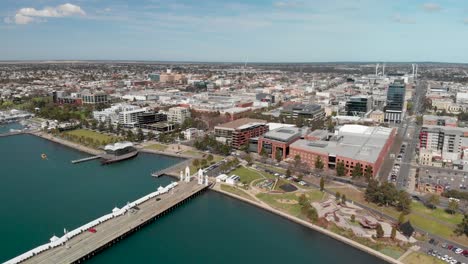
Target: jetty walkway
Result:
[85, 159]
[87, 243]
[11, 133]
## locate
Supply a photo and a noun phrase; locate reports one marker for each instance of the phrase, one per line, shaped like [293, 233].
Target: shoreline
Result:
[269, 209]
[66, 143]
[321, 230]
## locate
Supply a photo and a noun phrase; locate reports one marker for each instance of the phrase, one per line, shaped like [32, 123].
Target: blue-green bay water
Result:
[41, 197]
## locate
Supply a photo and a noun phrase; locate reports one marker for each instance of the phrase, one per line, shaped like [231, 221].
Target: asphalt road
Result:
[411, 136]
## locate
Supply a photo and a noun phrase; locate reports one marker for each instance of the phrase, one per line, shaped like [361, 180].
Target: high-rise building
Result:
[358, 105]
[395, 102]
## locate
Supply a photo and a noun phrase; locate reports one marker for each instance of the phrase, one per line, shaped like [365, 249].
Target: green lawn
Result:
[437, 213]
[246, 175]
[393, 252]
[421, 217]
[273, 168]
[421, 258]
[92, 134]
[236, 191]
[158, 147]
[283, 201]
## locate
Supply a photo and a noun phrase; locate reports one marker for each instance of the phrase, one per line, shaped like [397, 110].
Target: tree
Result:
[353, 218]
[318, 163]
[401, 218]
[311, 213]
[343, 199]
[278, 156]
[322, 184]
[297, 161]
[288, 172]
[368, 172]
[101, 126]
[433, 201]
[452, 207]
[462, 228]
[403, 202]
[210, 158]
[110, 127]
[196, 163]
[393, 234]
[248, 158]
[303, 200]
[130, 135]
[150, 135]
[140, 135]
[203, 163]
[340, 169]
[337, 196]
[357, 170]
[379, 231]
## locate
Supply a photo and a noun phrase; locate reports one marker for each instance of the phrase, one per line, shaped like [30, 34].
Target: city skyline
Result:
[235, 31]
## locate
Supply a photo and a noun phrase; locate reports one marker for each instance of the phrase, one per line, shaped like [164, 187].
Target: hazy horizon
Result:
[235, 31]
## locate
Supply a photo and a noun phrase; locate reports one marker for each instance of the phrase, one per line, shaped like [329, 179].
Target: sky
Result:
[235, 30]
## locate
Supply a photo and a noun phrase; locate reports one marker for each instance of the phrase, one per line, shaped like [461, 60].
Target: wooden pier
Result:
[87, 244]
[85, 159]
[11, 133]
[173, 170]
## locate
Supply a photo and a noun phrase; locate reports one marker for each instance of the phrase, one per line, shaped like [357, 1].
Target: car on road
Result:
[458, 250]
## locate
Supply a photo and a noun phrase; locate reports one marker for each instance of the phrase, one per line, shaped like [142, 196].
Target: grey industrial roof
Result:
[359, 143]
[283, 134]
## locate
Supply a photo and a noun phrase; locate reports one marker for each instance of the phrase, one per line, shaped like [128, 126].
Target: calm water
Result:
[41, 197]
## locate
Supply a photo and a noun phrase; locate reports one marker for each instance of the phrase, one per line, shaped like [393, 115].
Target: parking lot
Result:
[444, 251]
[450, 179]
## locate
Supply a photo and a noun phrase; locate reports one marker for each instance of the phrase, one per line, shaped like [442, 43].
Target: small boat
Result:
[43, 156]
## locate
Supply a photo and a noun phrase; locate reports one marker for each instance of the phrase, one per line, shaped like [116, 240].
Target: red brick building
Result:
[352, 144]
[238, 132]
[278, 141]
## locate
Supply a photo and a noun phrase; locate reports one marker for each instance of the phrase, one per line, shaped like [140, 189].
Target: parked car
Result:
[458, 250]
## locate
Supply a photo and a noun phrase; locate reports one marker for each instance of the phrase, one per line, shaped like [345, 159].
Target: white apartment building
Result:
[178, 114]
[112, 113]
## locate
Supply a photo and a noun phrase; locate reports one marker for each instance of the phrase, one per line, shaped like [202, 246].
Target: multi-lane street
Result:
[410, 134]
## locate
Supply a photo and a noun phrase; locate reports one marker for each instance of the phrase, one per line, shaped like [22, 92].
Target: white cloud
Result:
[403, 20]
[29, 14]
[431, 7]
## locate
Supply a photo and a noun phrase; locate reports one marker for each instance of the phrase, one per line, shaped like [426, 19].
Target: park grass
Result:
[92, 134]
[246, 175]
[393, 252]
[236, 191]
[420, 217]
[158, 147]
[273, 168]
[292, 209]
[437, 213]
[419, 258]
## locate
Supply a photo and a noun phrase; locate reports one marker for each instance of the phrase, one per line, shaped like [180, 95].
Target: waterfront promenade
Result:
[67, 143]
[87, 244]
[216, 187]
